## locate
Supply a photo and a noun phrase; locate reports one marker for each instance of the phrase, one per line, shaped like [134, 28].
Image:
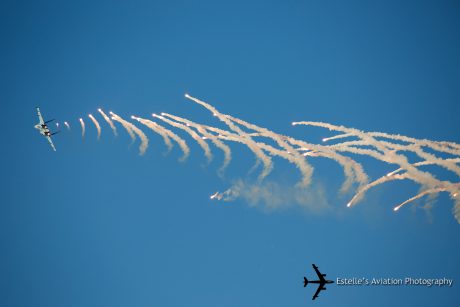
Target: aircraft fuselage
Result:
[43, 129]
[320, 282]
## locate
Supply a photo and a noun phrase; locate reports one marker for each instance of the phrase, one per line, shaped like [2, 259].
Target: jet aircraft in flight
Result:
[43, 128]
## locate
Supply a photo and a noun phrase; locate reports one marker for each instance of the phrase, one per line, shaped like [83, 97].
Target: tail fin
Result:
[49, 121]
[305, 282]
[55, 132]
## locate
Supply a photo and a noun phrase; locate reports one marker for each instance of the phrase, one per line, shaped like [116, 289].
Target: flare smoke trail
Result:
[430, 182]
[154, 126]
[228, 136]
[109, 121]
[454, 160]
[335, 137]
[418, 196]
[98, 127]
[133, 131]
[447, 147]
[196, 137]
[67, 125]
[225, 149]
[182, 144]
[353, 171]
[82, 123]
[168, 134]
[144, 140]
[289, 153]
[125, 125]
[383, 154]
[245, 138]
[388, 148]
[415, 147]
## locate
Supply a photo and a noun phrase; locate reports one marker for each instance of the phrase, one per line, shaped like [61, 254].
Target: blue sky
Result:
[94, 224]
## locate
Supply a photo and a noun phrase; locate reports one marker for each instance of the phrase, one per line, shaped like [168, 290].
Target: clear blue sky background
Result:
[94, 224]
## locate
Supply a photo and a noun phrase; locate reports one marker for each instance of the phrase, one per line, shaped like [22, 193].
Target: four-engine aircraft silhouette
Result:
[322, 281]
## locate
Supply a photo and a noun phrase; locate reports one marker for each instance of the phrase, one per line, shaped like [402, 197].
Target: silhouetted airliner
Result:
[322, 281]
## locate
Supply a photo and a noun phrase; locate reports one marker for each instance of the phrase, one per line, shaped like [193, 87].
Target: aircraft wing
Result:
[40, 117]
[51, 142]
[320, 287]
[320, 276]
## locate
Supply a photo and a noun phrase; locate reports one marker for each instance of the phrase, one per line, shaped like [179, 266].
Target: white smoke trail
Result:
[437, 146]
[273, 196]
[157, 129]
[339, 136]
[98, 127]
[449, 164]
[193, 134]
[225, 135]
[289, 152]
[109, 121]
[418, 196]
[385, 154]
[348, 164]
[353, 171]
[67, 125]
[420, 177]
[438, 161]
[82, 123]
[446, 147]
[360, 194]
[415, 148]
[389, 154]
[225, 149]
[246, 139]
[453, 189]
[125, 125]
[182, 144]
[389, 177]
[144, 140]
[421, 163]
[133, 130]
[388, 148]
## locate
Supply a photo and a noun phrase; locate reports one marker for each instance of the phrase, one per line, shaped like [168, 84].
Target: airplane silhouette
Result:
[322, 281]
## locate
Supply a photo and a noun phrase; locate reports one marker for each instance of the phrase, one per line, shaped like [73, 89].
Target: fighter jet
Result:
[43, 128]
[322, 281]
